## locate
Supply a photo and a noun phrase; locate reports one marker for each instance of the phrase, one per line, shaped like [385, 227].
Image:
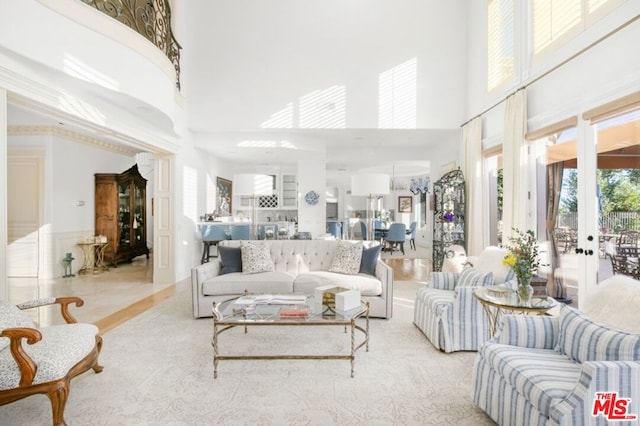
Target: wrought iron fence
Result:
[614, 221]
[150, 18]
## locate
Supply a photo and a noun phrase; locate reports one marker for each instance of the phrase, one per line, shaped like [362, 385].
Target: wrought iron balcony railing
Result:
[151, 18]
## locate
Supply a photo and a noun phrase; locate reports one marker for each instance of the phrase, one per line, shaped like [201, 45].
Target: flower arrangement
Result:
[449, 217]
[523, 259]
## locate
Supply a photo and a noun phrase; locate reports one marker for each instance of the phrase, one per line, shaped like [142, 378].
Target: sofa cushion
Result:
[471, 277]
[443, 280]
[583, 340]
[369, 259]
[347, 257]
[231, 259]
[368, 285]
[256, 257]
[543, 377]
[235, 283]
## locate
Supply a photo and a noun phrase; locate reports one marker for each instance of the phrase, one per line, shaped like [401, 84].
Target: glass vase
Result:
[525, 291]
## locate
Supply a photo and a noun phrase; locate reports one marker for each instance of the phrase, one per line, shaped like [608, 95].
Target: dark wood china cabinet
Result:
[121, 214]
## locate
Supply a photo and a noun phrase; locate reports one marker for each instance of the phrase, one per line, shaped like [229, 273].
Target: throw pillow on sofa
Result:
[347, 257]
[231, 259]
[256, 257]
[370, 259]
[471, 277]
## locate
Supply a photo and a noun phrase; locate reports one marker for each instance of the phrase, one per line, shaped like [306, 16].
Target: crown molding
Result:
[41, 130]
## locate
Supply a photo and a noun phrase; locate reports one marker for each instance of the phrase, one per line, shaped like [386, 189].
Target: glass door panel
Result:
[124, 214]
[618, 178]
[138, 220]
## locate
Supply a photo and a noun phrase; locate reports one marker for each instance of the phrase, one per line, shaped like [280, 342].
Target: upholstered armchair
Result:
[446, 310]
[51, 357]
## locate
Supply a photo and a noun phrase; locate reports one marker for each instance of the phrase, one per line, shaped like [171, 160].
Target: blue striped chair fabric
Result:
[522, 376]
[448, 313]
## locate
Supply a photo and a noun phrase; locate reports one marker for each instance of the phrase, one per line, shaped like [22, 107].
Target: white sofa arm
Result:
[385, 274]
[200, 274]
[598, 380]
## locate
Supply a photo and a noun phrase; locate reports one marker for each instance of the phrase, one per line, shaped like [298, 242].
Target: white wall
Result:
[249, 60]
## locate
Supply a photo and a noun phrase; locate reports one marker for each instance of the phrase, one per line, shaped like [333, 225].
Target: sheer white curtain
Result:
[515, 166]
[472, 169]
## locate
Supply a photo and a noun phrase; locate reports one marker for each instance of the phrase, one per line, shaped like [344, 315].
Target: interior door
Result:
[24, 211]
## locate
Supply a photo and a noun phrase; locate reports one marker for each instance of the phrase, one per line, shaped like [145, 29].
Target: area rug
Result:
[158, 371]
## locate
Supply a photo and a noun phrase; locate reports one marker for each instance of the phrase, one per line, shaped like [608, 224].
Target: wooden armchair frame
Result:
[57, 390]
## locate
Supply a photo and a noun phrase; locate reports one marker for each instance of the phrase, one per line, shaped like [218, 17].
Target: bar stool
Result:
[211, 236]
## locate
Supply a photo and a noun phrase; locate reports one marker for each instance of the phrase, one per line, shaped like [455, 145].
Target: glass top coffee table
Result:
[286, 311]
[497, 299]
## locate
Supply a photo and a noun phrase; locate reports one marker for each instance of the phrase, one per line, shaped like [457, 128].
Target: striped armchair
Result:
[563, 370]
[446, 310]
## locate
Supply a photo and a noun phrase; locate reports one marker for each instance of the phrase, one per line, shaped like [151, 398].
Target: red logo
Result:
[612, 407]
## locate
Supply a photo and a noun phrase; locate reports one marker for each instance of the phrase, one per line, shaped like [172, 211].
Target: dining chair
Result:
[335, 229]
[363, 230]
[211, 236]
[268, 232]
[396, 236]
[412, 234]
[378, 224]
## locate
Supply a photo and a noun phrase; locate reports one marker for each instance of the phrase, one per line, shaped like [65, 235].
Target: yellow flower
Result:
[510, 260]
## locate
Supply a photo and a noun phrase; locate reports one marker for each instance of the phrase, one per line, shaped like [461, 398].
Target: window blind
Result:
[500, 42]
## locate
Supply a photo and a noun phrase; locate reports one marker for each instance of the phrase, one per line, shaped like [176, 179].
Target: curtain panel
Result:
[516, 166]
[471, 160]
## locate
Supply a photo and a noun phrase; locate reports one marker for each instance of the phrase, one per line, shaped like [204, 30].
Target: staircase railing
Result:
[151, 18]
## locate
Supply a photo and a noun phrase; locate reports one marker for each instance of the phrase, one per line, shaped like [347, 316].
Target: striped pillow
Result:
[443, 280]
[471, 277]
[529, 331]
[583, 340]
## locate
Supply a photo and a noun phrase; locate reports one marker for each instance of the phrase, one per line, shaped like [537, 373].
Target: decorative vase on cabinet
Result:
[121, 214]
[448, 215]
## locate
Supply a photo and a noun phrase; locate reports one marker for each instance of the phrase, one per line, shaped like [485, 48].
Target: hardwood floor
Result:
[409, 269]
[116, 296]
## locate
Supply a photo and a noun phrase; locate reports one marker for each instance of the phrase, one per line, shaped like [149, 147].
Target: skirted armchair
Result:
[576, 368]
[446, 310]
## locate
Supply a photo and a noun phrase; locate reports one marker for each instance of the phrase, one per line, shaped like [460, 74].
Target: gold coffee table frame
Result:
[498, 299]
[268, 315]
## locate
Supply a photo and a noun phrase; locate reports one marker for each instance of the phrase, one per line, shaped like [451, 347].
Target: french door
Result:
[599, 168]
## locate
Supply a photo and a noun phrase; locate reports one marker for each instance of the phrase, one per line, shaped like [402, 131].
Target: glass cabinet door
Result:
[138, 219]
[124, 215]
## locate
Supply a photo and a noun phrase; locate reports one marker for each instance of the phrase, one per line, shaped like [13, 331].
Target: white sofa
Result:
[446, 310]
[299, 267]
[549, 370]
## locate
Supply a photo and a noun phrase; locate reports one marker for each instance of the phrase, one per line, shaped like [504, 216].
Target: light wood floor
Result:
[115, 296]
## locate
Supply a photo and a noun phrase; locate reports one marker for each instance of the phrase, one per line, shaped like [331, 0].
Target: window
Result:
[500, 42]
[554, 22]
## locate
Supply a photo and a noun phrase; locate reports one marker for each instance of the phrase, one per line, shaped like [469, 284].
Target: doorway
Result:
[594, 170]
[25, 184]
